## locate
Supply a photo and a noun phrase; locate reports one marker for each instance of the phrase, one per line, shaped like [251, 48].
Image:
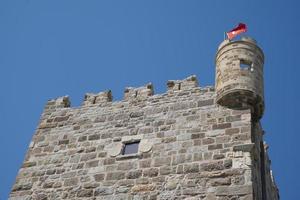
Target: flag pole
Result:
[224, 35]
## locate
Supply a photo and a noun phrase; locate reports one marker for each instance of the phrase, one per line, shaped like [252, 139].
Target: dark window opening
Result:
[245, 64]
[131, 148]
[179, 86]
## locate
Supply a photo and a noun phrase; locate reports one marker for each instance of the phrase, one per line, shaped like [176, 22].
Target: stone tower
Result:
[191, 142]
[239, 76]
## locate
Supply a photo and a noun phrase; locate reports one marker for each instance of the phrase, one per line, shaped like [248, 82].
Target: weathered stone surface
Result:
[71, 181]
[220, 181]
[29, 164]
[99, 177]
[115, 175]
[152, 172]
[89, 156]
[162, 161]
[212, 166]
[63, 142]
[205, 102]
[244, 147]
[234, 190]
[94, 137]
[114, 149]
[172, 184]
[85, 193]
[48, 184]
[103, 191]
[142, 188]
[134, 174]
[24, 186]
[191, 168]
[145, 145]
[136, 114]
[221, 126]
[41, 197]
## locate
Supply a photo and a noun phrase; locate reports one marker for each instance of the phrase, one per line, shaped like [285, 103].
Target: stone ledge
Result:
[244, 147]
[129, 156]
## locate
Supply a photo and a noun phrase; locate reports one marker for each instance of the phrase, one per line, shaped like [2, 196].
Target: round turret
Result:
[239, 76]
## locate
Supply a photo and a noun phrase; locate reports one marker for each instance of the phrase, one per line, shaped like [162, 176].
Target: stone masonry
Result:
[190, 147]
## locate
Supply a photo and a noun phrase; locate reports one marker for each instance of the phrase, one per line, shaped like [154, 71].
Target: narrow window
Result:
[131, 148]
[245, 64]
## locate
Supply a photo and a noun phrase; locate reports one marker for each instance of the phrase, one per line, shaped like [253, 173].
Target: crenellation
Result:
[185, 84]
[140, 93]
[61, 102]
[100, 98]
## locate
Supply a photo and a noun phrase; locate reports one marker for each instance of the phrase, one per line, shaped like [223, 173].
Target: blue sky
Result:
[71, 47]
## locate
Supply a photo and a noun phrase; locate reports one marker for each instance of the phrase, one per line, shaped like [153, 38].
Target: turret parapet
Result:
[60, 102]
[244, 42]
[226, 41]
[185, 84]
[249, 39]
[139, 93]
[102, 97]
[239, 75]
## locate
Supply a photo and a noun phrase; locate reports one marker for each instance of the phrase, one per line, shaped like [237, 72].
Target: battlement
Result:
[185, 84]
[100, 98]
[60, 102]
[142, 93]
[139, 93]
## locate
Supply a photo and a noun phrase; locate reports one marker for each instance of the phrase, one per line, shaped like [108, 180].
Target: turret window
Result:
[246, 65]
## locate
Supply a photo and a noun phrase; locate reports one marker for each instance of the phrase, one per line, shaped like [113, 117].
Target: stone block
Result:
[99, 177]
[71, 182]
[165, 170]
[94, 137]
[206, 102]
[151, 172]
[221, 126]
[85, 193]
[191, 168]
[142, 188]
[134, 174]
[115, 176]
[103, 191]
[28, 164]
[212, 166]
[244, 147]
[88, 156]
[145, 163]
[215, 146]
[234, 190]
[162, 161]
[22, 186]
[220, 181]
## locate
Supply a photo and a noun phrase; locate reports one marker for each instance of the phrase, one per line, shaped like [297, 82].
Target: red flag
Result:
[241, 28]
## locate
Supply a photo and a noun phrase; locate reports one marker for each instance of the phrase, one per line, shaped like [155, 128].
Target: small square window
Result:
[245, 64]
[131, 148]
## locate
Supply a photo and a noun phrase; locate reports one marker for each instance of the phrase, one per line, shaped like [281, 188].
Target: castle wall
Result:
[190, 148]
[263, 182]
